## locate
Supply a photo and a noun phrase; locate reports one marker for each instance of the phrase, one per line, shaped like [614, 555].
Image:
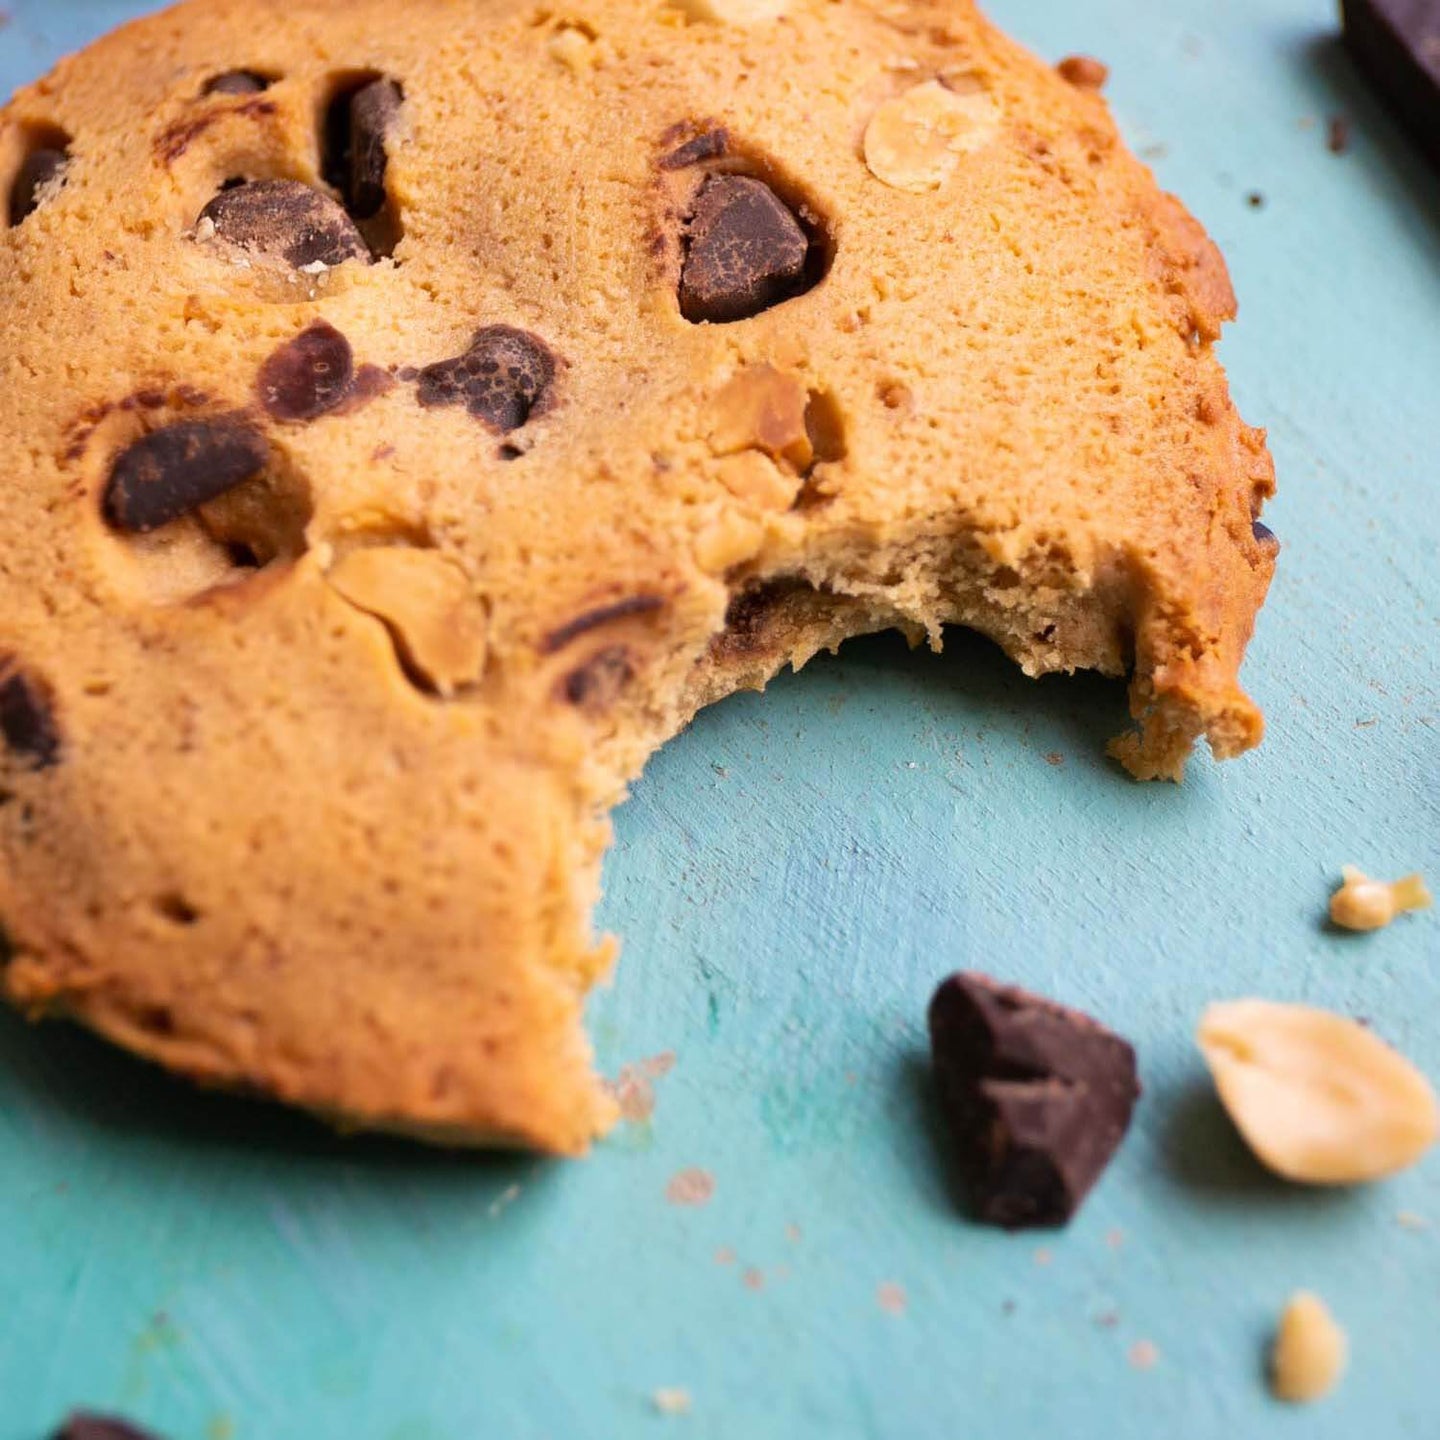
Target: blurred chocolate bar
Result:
[1397, 44]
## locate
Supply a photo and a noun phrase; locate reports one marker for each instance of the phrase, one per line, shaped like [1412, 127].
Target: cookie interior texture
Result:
[500, 428]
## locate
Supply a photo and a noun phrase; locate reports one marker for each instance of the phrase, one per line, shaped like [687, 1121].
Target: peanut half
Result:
[1318, 1098]
[915, 141]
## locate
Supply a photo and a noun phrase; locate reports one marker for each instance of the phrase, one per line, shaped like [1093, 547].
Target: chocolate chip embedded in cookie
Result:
[27, 716]
[173, 471]
[308, 376]
[373, 111]
[744, 251]
[237, 82]
[501, 379]
[1038, 1097]
[287, 220]
[40, 172]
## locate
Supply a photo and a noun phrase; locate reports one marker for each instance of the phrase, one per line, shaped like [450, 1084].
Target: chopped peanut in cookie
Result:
[914, 142]
[1318, 1098]
[1310, 1354]
[1365, 904]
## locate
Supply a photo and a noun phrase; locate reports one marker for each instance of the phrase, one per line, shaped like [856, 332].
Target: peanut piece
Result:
[727, 541]
[438, 625]
[757, 480]
[572, 48]
[914, 142]
[763, 409]
[732, 12]
[1365, 904]
[1318, 1098]
[1310, 1354]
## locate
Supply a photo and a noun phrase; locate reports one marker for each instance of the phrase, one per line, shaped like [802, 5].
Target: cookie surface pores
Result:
[417, 412]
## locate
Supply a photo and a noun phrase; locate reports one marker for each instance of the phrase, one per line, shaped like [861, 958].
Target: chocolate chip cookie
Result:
[413, 415]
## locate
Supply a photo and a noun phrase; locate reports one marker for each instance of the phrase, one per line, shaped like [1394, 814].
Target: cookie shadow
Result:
[56, 1076]
[1399, 172]
[1202, 1153]
[939, 1179]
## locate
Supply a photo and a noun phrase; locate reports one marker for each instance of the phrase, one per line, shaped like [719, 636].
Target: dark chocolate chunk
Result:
[84, 1426]
[308, 376]
[40, 169]
[238, 82]
[708, 146]
[601, 616]
[287, 219]
[1397, 44]
[598, 683]
[1264, 535]
[1037, 1097]
[372, 113]
[171, 472]
[27, 716]
[744, 252]
[500, 379]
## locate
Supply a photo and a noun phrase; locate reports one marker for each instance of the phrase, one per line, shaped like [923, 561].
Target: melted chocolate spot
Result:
[500, 379]
[27, 716]
[308, 376]
[599, 617]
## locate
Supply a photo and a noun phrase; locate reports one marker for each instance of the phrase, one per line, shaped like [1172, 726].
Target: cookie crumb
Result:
[693, 1187]
[1044, 1258]
[1144, 1355]
[503, 1201]
[1084, 72]
[1364, 904]
[1310, 1352]
[725, 1256]
[1409, 1220]
[753, 1279]
[892, 1298]
[671, 1402]
[1255, 200]
[1115, 1238]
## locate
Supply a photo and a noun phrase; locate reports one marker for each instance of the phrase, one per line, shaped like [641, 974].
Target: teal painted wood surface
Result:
[792, 877]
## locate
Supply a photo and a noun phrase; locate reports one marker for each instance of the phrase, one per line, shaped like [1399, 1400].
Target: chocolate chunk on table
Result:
[1038, 1098]
[84, 1426]
[1397, 44]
